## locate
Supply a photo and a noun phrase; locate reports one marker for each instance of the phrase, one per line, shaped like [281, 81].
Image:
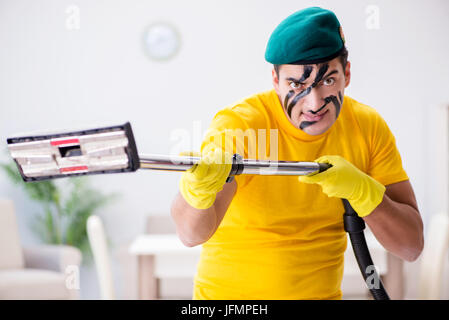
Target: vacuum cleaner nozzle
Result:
[94, 151]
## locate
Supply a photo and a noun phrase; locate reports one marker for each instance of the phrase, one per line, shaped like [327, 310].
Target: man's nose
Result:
[313, 102]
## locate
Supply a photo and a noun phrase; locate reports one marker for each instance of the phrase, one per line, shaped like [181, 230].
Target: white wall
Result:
[52, 77]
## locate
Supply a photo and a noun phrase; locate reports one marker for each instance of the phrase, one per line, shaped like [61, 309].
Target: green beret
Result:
[308, 36]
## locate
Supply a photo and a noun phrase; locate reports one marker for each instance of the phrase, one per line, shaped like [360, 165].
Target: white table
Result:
[164, 256]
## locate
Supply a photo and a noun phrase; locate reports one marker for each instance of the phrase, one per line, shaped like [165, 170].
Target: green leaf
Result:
[66, 208]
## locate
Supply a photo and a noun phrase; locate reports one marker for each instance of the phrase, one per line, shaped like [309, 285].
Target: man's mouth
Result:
[313, 117]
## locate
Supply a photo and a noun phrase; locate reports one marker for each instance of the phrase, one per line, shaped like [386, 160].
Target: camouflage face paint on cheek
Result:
[327, 100]
[332, 99]
[305, 124]
[337, 104]
[306, 74]
[287, 97]
[295, 100]
[319, 76]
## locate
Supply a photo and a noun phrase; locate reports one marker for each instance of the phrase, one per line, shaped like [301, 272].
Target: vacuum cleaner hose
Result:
[354, 225]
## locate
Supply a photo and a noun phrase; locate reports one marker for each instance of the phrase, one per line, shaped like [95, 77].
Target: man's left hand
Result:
[344, 180]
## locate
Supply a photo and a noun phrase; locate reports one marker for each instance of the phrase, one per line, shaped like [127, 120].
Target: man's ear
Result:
[275, 80]
[347, 74]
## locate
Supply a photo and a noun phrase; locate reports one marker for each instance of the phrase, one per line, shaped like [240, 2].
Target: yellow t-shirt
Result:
[282, 239]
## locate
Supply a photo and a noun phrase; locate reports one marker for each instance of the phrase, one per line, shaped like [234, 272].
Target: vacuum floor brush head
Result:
[94, 151]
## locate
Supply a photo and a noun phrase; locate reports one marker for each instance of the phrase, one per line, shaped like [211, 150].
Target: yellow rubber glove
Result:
[200, 184]
[344, 180]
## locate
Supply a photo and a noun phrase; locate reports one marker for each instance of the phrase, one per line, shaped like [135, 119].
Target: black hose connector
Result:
[324, 166]
[354, 226]
[237, 167]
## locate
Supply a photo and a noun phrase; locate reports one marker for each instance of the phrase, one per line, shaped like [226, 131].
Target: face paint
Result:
[287, 97]
[306, 74]
[327, 100]
[295, 100]
[337, 104]
[305, 124]
[319, 76]
[307, 71]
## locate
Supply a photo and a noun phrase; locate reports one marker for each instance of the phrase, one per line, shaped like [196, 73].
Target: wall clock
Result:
[161, 41]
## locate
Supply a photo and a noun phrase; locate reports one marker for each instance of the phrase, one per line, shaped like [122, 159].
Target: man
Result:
[282, 237]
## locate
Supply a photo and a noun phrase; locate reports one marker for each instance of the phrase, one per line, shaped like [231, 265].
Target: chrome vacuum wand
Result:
[113, 150]
[240, 165]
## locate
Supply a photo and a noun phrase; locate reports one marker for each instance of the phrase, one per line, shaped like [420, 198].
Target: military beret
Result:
[308, 36]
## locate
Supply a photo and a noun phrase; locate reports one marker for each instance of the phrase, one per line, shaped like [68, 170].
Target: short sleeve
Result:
[234, 129]
[385, 160]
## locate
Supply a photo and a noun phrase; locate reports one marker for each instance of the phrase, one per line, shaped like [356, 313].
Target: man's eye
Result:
[329, 81]
[295, 85]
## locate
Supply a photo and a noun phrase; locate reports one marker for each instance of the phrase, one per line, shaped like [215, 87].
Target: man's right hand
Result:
[200, 184]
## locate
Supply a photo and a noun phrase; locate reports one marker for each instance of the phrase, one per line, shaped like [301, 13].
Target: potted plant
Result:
[66, 205]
